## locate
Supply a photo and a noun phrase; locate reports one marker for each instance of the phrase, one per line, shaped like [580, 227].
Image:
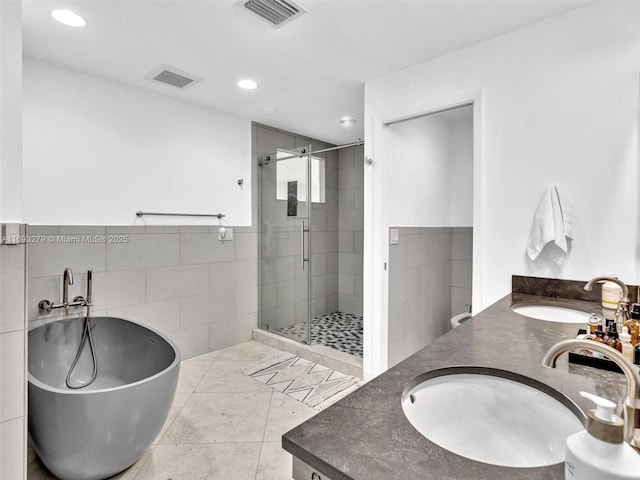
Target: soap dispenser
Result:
[600, 452]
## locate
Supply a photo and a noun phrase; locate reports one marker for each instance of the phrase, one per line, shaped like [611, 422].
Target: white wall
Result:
[96, 151]
[432, 176]
[461, 170]
[10, 111]
[556, 102]
[421, 177]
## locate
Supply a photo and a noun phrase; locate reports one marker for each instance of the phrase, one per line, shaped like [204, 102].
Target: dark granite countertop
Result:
[366, 435]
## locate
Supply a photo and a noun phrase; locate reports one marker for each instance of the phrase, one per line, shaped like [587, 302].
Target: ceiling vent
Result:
[172, 76]
[276, 12]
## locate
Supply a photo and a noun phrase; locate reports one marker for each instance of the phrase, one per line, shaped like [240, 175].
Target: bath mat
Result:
[308, 382]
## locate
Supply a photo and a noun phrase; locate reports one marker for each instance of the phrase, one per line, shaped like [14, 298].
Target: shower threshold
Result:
[328, 356]
[342, 331]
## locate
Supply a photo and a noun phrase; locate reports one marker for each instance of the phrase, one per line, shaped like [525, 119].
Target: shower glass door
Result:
[285, 267]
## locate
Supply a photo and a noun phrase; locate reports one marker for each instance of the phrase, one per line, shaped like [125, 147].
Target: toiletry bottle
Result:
[614, 341]
[611, 294]
[636, 354]
[627, 348]
[600, 453]
[633, 324]
[594, 323]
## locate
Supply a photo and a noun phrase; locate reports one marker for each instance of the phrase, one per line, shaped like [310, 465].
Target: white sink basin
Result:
[552, 313]
[490, 419]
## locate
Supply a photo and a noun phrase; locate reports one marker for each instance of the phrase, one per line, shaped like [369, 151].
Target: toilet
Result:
[456, 320]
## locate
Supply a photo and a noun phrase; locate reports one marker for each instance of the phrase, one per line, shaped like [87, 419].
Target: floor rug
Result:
[310, 383]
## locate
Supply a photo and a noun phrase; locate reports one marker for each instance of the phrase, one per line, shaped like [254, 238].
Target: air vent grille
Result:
[276, 12]
[172, 76]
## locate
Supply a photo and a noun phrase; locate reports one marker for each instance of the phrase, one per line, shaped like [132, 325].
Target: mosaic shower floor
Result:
[342, 331]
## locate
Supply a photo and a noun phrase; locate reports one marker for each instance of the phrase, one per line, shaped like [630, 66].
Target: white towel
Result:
[551, 225]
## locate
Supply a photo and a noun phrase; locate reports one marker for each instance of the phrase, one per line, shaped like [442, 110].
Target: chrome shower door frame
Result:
[274, 229]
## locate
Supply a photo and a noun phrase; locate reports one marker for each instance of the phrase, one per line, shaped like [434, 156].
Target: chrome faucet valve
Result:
[45, 305]
[79, 300]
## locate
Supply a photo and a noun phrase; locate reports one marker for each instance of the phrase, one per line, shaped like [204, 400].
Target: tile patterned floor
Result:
[223, 424]
[342, 331]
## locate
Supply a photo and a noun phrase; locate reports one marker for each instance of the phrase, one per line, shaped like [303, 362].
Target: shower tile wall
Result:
[351, 229]
[284, 288]
[12, 362]
[429, 281]
[180, 280]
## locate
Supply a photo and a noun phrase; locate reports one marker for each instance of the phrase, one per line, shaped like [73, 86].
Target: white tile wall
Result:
[12, 449]
[351, 229]
[114, 289]
[429, 281]
[176, 282]
[163, 315]
[205, 248]
[65, 250]
[12, 390]
[12, 292]
[12, 362]
[141, 251]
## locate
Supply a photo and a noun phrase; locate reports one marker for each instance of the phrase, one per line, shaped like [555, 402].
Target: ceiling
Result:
[312, 70]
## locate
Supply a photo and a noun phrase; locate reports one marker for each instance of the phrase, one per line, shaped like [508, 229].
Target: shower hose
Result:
[86, 333]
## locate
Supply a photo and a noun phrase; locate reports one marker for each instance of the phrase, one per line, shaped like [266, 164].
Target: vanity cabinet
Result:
[303, 471]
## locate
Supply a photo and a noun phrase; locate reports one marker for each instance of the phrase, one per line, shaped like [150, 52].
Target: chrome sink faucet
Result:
[631, 403]
[623, 306]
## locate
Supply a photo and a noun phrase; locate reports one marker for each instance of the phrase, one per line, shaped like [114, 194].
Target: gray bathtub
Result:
[97, 431]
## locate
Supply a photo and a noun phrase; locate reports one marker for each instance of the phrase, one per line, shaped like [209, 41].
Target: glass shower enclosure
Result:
[289, 184]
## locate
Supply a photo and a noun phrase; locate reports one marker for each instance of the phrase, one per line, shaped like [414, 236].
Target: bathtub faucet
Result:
[79, 300]
[67, 279]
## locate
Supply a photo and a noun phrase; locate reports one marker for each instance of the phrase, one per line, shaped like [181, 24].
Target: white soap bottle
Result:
[627, 347]
[600, 453]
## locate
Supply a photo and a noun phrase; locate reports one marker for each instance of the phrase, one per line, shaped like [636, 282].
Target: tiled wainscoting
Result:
[12, 362]
[429, 281]
[183, 281]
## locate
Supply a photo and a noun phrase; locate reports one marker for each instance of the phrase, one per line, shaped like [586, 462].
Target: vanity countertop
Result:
[366, 435]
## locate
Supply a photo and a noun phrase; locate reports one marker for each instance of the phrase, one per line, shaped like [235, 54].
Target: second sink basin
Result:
[491, 416]
[551, 313]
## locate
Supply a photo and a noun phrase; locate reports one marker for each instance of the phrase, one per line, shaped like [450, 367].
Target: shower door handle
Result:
[302, 231]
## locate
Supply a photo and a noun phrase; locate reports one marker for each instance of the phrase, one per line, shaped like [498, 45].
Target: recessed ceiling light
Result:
[247, 84]
[270, 109]
[347, 121]
[69, 18]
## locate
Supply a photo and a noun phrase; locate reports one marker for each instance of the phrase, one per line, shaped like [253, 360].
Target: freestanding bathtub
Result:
[99, 430]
